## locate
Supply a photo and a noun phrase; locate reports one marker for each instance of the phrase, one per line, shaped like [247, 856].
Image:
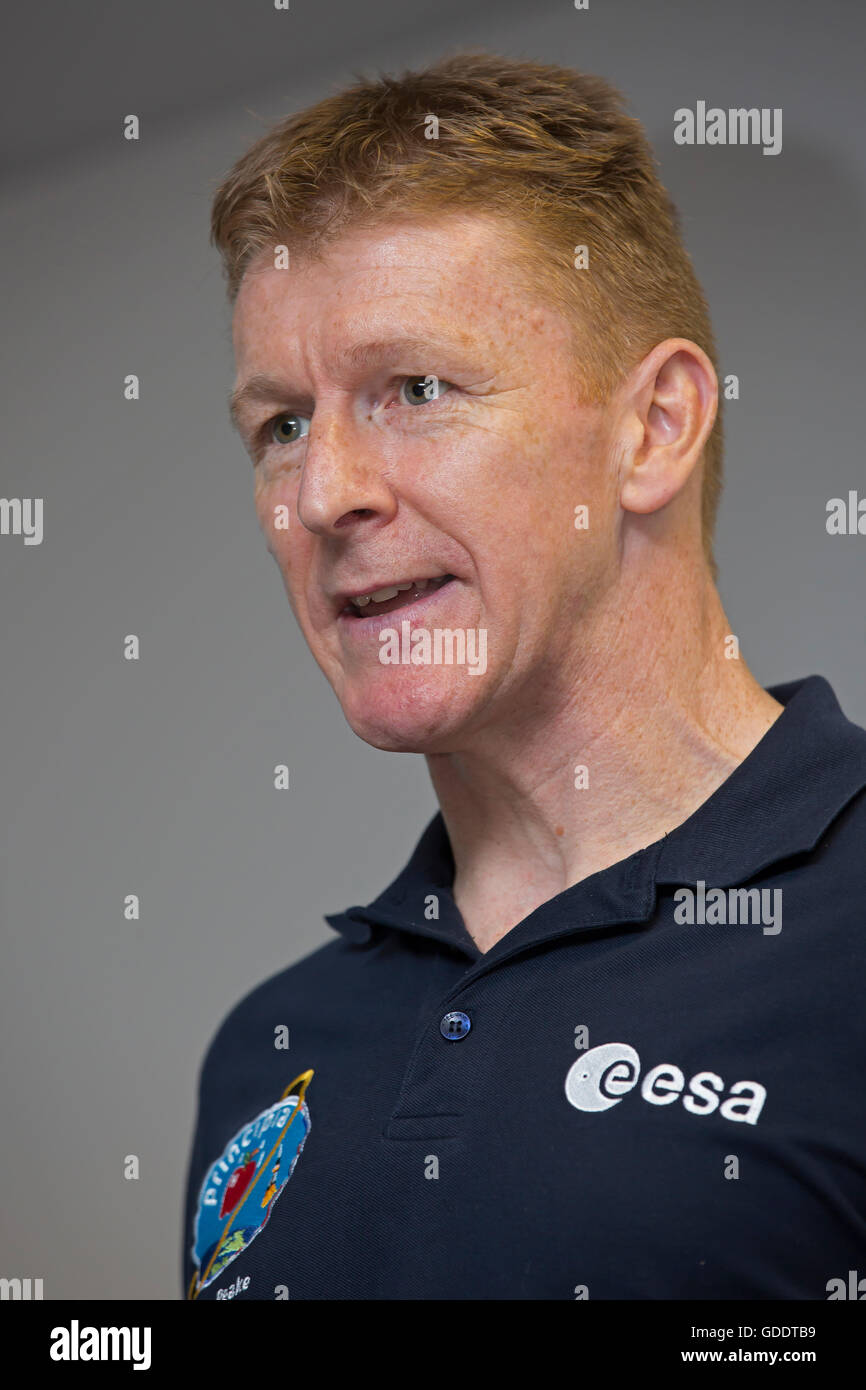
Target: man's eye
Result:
[417, 390]
[287, 428]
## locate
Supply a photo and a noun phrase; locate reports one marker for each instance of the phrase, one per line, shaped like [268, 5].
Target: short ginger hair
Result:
[550, 150]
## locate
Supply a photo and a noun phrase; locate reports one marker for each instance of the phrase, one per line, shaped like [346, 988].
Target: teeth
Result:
[381, 595]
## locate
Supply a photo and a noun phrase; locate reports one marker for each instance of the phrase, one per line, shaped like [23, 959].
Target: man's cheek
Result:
[275, 518]
[276, 540]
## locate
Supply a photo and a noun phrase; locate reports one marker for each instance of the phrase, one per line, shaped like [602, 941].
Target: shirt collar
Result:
[778, 802]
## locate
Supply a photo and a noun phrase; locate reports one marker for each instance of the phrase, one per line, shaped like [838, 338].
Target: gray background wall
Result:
[155, 777]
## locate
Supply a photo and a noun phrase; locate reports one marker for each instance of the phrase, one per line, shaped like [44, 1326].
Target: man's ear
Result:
[669, 407]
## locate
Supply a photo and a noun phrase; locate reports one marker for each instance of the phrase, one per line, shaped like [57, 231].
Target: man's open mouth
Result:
[392, 596]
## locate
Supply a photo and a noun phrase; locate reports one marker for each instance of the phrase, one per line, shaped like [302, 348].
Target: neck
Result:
[654, 711]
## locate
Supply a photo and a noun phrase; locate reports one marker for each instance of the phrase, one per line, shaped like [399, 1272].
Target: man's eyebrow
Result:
[258, 388]
[261, 387]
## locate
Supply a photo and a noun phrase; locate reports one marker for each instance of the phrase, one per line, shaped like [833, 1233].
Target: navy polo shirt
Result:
[650, 1088]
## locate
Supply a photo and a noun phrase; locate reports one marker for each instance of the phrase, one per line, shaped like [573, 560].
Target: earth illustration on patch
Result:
[240, 1188]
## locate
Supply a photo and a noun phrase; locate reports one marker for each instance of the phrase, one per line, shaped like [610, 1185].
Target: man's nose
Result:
[343, 476]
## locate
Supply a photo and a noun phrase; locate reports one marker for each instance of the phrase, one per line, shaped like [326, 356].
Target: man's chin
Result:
[408, 716]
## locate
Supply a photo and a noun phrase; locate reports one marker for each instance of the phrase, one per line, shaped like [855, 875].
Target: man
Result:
[601, 1038]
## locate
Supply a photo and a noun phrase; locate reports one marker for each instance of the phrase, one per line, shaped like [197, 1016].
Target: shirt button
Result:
[455, 1026]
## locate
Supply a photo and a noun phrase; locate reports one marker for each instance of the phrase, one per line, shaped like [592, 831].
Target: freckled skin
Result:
[605, 647]
[481, 483]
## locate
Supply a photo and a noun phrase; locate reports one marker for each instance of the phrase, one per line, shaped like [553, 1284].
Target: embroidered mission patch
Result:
[239, 1190]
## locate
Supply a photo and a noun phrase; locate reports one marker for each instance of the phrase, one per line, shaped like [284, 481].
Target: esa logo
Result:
[602, 1076]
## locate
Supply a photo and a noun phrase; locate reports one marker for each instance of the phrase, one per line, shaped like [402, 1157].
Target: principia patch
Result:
[241, 1187]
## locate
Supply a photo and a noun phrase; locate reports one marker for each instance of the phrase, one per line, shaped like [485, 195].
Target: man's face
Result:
[368, 475]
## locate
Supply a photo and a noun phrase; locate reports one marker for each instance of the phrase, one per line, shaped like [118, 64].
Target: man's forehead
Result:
[387, 292]
[465, 265]
[453, 239]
